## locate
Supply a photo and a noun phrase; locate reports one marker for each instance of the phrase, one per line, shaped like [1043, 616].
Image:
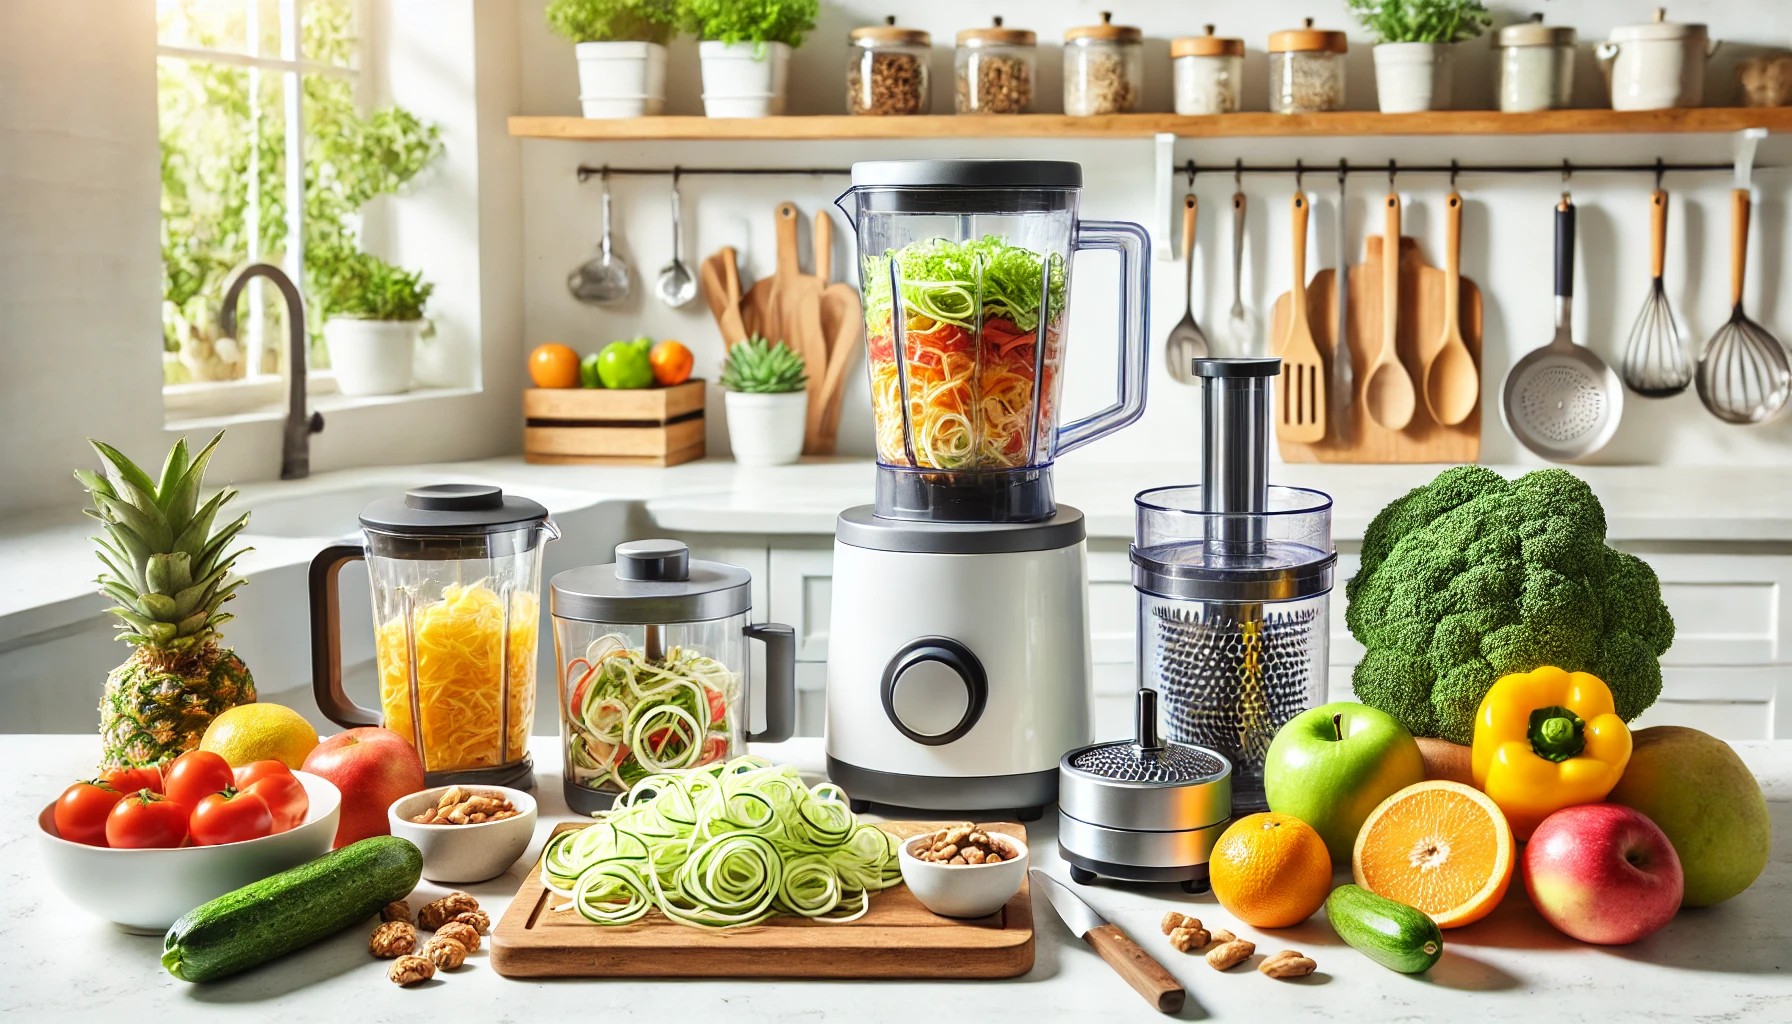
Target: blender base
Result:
[1085, 870]
[1026, 794]
[514, 776]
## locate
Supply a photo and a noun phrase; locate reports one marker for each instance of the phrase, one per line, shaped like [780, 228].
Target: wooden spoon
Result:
[1387, 387]
[1301, 404]
[721, 289]
[1452, 384]
[841, 320]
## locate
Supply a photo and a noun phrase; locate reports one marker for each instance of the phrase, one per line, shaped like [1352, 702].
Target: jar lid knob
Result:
[1537, 17]
[1661, 14]
[889, 19]
[996, 21]
[1209, 29]
[653, 560]
[1107, 17]
[1306, 22]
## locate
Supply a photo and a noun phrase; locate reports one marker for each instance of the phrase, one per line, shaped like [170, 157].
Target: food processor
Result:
[652, 656]
[1234, 578]
[456, 575]
[958, 665]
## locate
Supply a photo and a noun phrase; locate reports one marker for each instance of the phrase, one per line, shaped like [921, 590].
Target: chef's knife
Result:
[1144, 974]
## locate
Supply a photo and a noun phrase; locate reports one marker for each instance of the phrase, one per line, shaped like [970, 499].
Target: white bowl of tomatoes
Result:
[143, 847]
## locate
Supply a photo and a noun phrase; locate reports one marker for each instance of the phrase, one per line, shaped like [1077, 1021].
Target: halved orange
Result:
[1442, 847]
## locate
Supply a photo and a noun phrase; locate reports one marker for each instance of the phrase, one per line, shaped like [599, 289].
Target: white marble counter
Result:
[1732, 962]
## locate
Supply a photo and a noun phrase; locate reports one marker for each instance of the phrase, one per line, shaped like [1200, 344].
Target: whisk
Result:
[1743, 376]
[1655, 363]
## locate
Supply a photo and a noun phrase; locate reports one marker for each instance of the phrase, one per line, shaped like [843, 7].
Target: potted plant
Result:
[744, 46]
[766, 400]
[621, 49]
[1414, 43]
[373, 321]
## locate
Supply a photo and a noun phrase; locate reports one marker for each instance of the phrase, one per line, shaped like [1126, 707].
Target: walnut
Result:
[463, 933]
[393, 939]
[1289, 963]
[457, 806]
[397, 910]
[1228, 955]
[437, 912]
[445, 953]
[409, 970]
[1172, 921]
[1189, 938]
[961, 844]
[1222, 935]
[477, 918]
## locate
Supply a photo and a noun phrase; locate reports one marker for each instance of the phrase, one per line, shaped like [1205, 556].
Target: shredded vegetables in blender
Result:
[631, 716]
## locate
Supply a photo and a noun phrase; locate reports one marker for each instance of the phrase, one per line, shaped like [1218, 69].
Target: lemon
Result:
[260, 732]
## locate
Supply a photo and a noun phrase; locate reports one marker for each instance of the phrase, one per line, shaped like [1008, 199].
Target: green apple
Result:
[1331, 766]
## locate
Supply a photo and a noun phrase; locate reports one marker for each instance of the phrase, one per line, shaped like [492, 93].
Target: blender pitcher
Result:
[965, 268]
[456, 577]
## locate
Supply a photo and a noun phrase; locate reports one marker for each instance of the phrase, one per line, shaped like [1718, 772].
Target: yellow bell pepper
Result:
[1546, 740]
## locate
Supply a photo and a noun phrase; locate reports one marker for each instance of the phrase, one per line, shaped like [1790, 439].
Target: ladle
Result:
[602, 279]
[1452, 385]
[676, 286]
[1387, 388]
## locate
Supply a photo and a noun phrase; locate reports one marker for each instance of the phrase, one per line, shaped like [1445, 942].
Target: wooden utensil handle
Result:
[1452, 257]
[786, 223]
[1739, 209]
[1390, 279]
[1298, 210]
[824, 246]
[1147, 977]
[1188, 227]
[1658, 231]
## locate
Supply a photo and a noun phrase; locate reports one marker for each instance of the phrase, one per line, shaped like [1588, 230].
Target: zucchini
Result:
[1394, 935]
[290, 910]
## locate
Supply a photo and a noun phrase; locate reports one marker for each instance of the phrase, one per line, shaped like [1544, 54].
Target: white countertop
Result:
[1732, 962]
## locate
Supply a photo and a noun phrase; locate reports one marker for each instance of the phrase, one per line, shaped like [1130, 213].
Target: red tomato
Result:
[255, 771]
[285, 798]
[195, 775]
[82, 809]
[144, 820]
[230, 817]
[718, 708]
[130, 780]
[714, 748]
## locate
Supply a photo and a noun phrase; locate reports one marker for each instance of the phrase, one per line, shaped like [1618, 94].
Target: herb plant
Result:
[760, 367]
[369, 288]
[749, 21]
[611, 21]
[1422, 21]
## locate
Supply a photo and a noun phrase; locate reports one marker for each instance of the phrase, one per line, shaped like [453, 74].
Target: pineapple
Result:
[169, 573]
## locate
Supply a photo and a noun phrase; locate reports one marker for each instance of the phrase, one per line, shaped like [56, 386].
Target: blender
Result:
[959, 667]
[456, 576]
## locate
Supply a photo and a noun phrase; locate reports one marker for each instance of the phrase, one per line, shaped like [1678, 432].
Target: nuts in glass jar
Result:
[893, 85]
[993, 70]
[1102, 88]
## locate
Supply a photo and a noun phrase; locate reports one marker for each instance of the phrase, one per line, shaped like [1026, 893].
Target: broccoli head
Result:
[1474, 576]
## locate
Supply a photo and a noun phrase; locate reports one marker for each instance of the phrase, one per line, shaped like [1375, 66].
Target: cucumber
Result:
[291, 910]
[1394, 935]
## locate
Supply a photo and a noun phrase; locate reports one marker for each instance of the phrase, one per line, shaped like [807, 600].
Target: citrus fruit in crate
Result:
[1442, 847]
[671, 363]
[554, 366]
[1271, 870]
[260, 732]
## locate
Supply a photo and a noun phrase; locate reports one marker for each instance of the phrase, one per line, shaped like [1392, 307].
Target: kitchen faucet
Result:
[295, 442]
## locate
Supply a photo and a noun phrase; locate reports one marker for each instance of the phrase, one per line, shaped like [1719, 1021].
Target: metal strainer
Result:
[1562, 401]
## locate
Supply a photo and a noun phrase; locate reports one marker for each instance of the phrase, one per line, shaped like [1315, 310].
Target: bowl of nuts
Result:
[963, 870]
[466, 833]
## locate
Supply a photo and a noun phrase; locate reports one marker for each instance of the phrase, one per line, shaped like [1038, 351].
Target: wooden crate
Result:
[642, 427]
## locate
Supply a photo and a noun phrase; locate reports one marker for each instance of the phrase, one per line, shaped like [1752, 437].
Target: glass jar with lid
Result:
[1208, 73]
[1104, 68]
[1306, 70]
[1533, 66]
[993, 70]
[886, 69]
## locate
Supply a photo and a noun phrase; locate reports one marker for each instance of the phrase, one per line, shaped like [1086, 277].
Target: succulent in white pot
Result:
[373, 323]
[767, 401]
[745, 48]
[621, 50]
[1415, 48]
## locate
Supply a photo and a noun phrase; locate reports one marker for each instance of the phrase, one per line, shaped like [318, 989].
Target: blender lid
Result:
[861, 527]
[452, 509]
[991, 173]
[652, 581]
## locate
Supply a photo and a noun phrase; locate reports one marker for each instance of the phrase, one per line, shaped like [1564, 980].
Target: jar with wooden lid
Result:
[1104, 68]
[1533, 66]
[1306, 70]
[886, 69]
[993, 70]
[1208, 72]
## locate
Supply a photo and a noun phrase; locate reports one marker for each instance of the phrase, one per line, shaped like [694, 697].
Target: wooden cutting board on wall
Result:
[897, 938]
[1421, 326]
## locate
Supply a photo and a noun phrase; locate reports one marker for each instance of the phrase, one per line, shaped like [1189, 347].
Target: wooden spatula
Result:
[721, 289]
[1300, 407]
[842, 319]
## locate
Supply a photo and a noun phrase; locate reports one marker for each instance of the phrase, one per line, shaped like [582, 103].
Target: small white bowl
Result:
[465, 853]
[964, 890]
[144, 891]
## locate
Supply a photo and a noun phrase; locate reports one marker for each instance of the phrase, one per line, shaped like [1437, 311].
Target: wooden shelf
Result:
[1141, 126]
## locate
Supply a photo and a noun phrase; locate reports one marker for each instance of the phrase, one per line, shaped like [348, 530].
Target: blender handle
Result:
[780, 689]
[1134, 247]
[326, 638]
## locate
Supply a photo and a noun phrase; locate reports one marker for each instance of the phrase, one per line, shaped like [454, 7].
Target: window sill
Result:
[247, 396]
[325, 403]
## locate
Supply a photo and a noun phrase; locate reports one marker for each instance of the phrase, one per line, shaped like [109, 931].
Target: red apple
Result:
[372, 767]
[1603, 873]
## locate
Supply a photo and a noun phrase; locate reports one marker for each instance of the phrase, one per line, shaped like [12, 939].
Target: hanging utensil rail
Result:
[1393, 167]
[587, 172]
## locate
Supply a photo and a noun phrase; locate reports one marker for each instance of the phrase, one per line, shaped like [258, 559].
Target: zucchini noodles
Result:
[628, 717]
[723, 846]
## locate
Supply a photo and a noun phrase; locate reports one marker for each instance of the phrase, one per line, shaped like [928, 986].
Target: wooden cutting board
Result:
[1420, 327]
[897, 938]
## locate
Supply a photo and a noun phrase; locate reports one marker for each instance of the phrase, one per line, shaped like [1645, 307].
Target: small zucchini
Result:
[1394, 935]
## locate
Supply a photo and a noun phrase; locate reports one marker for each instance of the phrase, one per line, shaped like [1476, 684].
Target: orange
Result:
[554, 366]
[671, 363]
[1442, 847]
[1271, 870]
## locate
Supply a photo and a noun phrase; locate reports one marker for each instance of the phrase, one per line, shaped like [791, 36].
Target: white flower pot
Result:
[1410, 77]
[371, 357]
[621, 79]
[743, 79]
[766, 430]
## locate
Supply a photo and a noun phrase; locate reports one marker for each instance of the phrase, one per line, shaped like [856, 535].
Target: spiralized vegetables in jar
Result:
[629, 716]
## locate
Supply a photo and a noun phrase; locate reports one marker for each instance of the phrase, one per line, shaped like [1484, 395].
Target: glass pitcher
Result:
[966, 368]
[456, 576]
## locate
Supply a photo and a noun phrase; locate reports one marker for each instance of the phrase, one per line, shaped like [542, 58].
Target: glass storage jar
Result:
[1104, 68]
[1306, 70]
[1533, 66]
[993, 70]
[886, 70]
[1208, 71]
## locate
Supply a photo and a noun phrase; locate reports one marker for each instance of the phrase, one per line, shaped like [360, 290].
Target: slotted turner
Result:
[1300, 403]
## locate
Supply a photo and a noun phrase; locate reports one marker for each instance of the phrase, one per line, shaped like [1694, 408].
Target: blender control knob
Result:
[934, 690]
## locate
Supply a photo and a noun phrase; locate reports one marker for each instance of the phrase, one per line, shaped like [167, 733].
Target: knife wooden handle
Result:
[1147, 977]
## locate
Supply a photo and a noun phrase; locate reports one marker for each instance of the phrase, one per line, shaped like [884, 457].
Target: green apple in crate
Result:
[1331, 766]
[169, 572]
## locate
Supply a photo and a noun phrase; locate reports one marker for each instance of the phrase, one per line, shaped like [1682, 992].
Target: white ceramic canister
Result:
[371, 357]
[621, 79]
[1410, 77]
[1208, 72]
[1656, 65]
[1533, 66]
[743, 79]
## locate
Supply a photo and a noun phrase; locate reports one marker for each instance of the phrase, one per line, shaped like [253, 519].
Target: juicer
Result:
[958, 651]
